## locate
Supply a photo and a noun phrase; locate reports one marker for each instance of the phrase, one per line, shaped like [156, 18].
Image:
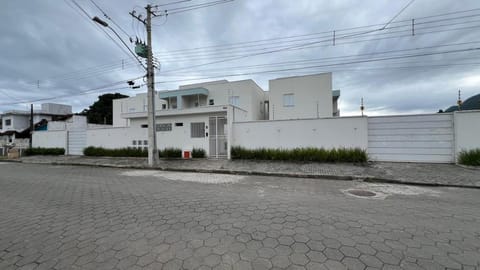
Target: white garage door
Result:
[77, 141]
[412, 138]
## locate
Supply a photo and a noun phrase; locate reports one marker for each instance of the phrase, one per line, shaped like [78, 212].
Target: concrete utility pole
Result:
[31, 125]
[152, 138]
[152, 133]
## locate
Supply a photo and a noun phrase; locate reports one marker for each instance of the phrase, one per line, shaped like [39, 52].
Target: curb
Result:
[219, 171]
[411, 183]
[366, 179]
[11, 160]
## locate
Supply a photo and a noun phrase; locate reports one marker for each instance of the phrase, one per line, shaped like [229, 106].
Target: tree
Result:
[100, 112]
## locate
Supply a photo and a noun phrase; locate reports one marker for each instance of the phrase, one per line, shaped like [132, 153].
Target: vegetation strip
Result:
[350, 155]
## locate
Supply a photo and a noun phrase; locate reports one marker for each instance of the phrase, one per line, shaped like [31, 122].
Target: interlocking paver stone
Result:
[60, 217]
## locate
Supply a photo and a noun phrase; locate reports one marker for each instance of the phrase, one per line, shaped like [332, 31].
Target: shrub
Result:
[471, 157]
[198, 153]
[170, 153]
[39, 151]
[120, 152]
[355, 155]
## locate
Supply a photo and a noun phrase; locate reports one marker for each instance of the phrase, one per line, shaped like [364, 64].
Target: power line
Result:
[171, 3]
[398, 14]
[94, 71]
[335, 58]
[88, 17]
[330, 32]
[91, 72]
[88, 91]
[306, 45]
[349, 63]
[183, 9]
[109, 18]
[201, 55]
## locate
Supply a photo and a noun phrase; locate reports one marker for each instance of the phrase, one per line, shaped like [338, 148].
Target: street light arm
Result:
[100, 21]
[105, 24]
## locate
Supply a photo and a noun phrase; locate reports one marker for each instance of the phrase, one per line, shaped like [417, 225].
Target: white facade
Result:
[17, 120]
[302, 97]
[350, 132]
[188, 99]
[467, 130]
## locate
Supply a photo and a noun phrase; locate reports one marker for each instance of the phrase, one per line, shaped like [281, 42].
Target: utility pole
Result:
[152, 138]
[151, 118]
[31, 125]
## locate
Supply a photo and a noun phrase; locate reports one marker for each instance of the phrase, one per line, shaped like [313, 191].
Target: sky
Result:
[53, 52]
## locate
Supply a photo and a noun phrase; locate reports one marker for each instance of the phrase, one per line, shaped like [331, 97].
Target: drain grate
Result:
[361, 193]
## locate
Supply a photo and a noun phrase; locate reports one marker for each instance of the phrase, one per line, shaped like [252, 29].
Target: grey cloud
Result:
[45, 39]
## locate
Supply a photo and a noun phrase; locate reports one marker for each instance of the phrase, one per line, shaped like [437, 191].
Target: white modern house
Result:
[295, 112]
[201, 115]
[303, 97]
[15, 123]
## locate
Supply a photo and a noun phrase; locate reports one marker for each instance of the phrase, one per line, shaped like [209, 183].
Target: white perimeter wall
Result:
[328, 133]
[467, 130]
[115, 137]
[50, 139]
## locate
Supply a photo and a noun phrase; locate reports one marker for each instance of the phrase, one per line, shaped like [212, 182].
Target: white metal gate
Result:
[218, 137]
[412, 138]
[77, 141]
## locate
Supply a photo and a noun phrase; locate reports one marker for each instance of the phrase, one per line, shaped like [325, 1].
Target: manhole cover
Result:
[361, 193]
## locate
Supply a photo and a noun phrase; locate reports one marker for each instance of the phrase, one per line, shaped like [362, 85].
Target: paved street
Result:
[65, 217]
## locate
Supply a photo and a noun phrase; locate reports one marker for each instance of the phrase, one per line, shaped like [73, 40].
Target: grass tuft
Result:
[470, 157]
[310, 154]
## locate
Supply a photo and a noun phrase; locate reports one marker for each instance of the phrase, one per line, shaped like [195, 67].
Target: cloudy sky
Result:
[52, 51]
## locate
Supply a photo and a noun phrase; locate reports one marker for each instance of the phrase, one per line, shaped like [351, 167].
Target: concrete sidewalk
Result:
[404, 173]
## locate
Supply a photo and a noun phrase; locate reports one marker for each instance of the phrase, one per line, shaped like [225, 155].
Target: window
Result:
[144, 126]
[134, 142]
[164, 106]
[179, 124]
[164, 127]
[145, 142]
[288, 100]
[235, 100]
[139, 142]
[197, 130]
[8, 122]
[211, 102]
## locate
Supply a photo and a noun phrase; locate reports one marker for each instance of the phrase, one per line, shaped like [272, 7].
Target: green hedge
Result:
[471, 157]
[170, 153]
[352, 155]
[198, 153]
[120, 152]
[39, 151]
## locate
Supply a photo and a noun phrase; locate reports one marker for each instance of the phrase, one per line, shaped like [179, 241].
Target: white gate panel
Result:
[77, 141]
[411, 138]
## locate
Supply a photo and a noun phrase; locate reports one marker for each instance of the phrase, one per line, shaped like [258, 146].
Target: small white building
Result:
[16, 123]
[201, 115]
[303, 97]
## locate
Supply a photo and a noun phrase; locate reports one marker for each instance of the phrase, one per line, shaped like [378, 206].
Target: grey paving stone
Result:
[54, 217]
